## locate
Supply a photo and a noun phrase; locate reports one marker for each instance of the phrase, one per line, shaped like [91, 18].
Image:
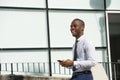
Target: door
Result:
[114, 36]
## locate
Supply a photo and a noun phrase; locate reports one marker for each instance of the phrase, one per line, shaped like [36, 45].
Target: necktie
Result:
[75, 54]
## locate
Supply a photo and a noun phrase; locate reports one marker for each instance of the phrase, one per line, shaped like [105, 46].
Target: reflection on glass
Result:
[60, 27]
[77, 4]
[113, 4]
[108, 3]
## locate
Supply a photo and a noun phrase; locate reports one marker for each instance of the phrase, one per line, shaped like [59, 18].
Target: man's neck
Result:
[79, 36]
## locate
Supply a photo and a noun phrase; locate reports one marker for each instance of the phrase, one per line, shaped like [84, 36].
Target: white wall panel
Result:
[23, 3]
[20, 29]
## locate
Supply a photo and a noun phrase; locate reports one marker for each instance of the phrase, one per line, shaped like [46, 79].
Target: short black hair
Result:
[77, 19]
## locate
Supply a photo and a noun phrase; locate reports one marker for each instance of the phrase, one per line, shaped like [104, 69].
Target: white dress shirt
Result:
[85, 54]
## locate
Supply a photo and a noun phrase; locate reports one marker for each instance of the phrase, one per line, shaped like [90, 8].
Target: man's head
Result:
[77, 27]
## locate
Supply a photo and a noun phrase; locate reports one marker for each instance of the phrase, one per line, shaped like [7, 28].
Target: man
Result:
[83, 53]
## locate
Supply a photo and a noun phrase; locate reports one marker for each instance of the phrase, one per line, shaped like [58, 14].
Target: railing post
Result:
[0, 68]
[11, 68]
[114, 71]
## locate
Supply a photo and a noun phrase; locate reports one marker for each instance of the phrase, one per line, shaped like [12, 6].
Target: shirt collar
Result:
[80, 38]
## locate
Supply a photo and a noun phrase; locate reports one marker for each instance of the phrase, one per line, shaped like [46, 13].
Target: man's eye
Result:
[75, 26]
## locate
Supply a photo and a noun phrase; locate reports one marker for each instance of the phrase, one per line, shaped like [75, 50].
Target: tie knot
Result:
[76, 41]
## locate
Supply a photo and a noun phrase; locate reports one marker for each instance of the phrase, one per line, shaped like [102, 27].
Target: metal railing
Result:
[29, 67]
[116, 71]
[42, 68]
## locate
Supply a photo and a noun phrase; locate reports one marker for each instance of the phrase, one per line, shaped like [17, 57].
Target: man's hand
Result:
[66, 63]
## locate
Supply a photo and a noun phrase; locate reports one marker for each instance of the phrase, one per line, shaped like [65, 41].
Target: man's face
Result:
[76, 28]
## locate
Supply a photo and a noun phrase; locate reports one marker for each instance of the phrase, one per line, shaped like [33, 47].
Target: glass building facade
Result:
[39, 30]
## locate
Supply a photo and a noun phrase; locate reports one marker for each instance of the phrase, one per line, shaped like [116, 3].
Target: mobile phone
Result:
[59, 60]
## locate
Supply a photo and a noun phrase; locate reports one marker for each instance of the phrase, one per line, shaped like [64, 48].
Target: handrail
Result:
[42, 68]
